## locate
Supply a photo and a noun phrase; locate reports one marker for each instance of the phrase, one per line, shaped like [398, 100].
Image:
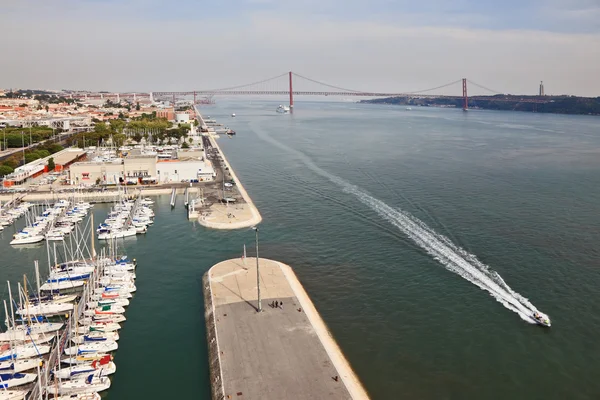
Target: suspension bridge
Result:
[292, 84]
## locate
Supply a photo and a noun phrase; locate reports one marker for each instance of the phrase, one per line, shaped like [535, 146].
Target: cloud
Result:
[136, 45]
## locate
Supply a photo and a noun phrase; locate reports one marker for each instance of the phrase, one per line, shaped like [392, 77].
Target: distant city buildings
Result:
[542, 88]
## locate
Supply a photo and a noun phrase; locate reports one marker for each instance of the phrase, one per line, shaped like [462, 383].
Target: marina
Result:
[61, 335]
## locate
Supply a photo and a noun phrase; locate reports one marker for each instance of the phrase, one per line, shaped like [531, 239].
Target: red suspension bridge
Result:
[283, 85]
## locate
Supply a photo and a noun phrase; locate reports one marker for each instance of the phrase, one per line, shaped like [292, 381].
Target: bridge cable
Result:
[484, 88]
[325, 84]
[245, 85]
[435, 88]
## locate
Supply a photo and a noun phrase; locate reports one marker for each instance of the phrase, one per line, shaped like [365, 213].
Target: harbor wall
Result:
[256, 217]
[214, 358]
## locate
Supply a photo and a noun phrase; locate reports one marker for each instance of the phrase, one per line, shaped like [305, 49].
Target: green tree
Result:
[5, 170]
[137, 137]
[47, 108]
[12, 162]
[51, 164]
[196, 123]
[29, 157]
[191, 140]
[185, 145]
[137, 106]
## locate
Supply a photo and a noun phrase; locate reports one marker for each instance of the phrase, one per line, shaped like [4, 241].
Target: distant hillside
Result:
[554, 104]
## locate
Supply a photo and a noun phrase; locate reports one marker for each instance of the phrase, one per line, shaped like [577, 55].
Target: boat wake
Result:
[442, 249]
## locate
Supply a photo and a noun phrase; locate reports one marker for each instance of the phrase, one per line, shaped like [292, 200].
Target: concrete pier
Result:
[242, 213]
[279, 353]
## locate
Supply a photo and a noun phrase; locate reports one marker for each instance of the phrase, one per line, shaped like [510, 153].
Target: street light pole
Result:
[257, 271]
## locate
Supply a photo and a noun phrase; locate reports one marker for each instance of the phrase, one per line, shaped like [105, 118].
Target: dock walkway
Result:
[279, 353]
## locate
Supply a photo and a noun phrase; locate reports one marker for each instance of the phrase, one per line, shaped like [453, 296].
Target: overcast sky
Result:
[370, 45]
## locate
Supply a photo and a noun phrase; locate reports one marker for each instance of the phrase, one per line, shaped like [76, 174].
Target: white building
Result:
[182, 118]
[184, 170]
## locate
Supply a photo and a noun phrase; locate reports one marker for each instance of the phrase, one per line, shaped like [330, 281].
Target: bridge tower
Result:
[291, 93]
[465, 96]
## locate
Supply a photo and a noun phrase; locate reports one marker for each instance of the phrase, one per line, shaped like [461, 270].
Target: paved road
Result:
[276, 354]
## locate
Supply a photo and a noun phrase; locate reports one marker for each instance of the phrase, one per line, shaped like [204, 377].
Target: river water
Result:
[425, 239]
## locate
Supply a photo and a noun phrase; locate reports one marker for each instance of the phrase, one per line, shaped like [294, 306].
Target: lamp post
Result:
[257, 271]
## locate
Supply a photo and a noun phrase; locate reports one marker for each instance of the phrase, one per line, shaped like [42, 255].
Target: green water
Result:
[519, 191]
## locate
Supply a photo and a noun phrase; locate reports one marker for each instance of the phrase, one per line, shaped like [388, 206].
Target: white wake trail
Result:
[451, 256]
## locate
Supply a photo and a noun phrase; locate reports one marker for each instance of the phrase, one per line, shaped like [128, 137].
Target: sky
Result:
[508, 46]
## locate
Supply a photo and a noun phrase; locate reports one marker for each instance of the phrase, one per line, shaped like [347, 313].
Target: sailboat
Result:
[90, 384]
[96, 337]
[13, 394]
[102, 367]
[13, 380]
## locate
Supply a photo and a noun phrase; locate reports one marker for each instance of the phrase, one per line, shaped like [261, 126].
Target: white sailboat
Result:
[99, 327]
[46, 309]
[107, 319]
[64, 285]
[24, 351]
[96, 337]
[91, 348]
[89, 385]
[13, 366]
[8, 381]
[102, 367]
[108, 302]
[13, 394]
[83, 396]
[104, 311]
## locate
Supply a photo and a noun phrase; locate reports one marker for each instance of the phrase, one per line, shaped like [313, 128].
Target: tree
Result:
[5, 170]
[137, 137]
[191, 140]
[51, 165]
[12, 162]
[29, 157]
[137, 107]
[47, 108]
[196, 123]
[185, 145]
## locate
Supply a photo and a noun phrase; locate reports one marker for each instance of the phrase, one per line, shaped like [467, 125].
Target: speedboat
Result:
[541, 319]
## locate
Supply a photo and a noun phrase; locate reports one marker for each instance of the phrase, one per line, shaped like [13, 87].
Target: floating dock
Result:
[279, 353]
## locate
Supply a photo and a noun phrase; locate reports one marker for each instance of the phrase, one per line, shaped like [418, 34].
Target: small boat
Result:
[233, 115]
[541, 319]
[283, 109]
[22, 332]
[24, 351]
[110, 295]
[90, 384]
[26, 239]
[14, 380]
[102, 367]
[105, 319]
[108, 302]
[104, 310]
[64, 285]
[408, 108]
[96, 337]
[46, 309]
[84, 396]
[91, 348]
[13, 394]
[99, 327]
[19, 365]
